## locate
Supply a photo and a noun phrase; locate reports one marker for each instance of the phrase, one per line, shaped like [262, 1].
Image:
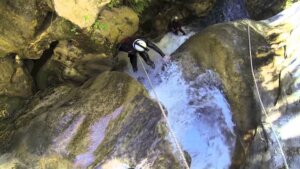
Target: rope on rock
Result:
[166, 119]
[262, 105]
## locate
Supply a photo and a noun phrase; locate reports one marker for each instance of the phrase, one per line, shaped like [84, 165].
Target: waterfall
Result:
[199, 114]
[227, 10]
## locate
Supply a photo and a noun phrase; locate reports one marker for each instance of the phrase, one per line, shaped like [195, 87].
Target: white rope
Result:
[262, 105]
[51, 21]
[166, 119]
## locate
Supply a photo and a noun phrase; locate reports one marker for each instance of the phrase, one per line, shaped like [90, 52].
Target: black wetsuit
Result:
[175, 26]
[126, 45]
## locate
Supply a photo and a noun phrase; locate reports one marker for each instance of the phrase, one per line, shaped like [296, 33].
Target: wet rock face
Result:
[262, 9]
[227, 10]
[109, 117]
[223, 48]
[280, 88]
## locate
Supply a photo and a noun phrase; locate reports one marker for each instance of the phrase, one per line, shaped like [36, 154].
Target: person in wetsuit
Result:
[175, 26]
[139, 45]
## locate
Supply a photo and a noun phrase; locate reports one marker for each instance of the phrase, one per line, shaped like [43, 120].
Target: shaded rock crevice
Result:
[46, 23]
[47, 54]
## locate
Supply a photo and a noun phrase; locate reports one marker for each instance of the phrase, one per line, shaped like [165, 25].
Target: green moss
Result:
[289, 3]
[99, 25]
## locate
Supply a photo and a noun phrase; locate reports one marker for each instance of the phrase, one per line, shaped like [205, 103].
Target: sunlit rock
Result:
[280, 77]
[81, 12]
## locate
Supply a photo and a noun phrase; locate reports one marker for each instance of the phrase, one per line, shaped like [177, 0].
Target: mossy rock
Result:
[19, 22]
[89, 125]
[112, 26]
[29, 33]
[15, 80]
[72, 64]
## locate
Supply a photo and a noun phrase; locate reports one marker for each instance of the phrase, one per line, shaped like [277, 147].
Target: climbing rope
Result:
[166, 119]
[262, 105]
[51, 20]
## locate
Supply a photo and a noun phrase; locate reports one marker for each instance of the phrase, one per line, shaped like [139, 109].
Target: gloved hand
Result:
[167, 58]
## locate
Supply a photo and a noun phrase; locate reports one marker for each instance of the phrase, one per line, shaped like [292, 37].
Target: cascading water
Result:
[234, 9]
[228, 10]
[199, 114]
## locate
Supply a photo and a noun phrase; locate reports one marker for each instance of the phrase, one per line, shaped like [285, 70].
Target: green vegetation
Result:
[290, 3]
[74, 30]
[100, 25]
[137, 5]
[114, 3]
[86, 18]
[140, 5]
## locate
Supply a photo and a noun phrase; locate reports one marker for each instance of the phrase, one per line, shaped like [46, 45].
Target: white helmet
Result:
[139, 45]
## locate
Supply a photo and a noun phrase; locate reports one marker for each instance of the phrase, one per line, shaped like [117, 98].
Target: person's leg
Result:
[176, 32]
[133, 61]
[181, 30]
[147, 59]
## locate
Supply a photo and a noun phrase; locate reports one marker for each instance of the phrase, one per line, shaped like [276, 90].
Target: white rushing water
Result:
[199, 116]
